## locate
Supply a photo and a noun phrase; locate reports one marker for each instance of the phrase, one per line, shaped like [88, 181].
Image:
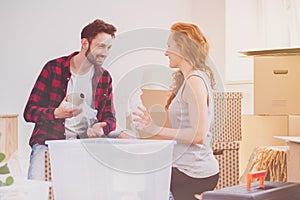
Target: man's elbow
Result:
[27, 115]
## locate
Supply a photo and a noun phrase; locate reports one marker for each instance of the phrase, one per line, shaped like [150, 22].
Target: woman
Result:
[190, 108]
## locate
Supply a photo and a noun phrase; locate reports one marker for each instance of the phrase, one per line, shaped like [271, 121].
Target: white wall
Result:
[231, 26]
[210, 15]
[241, 34]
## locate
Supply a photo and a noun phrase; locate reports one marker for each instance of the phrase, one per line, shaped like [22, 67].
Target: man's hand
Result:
[125, 135]
[96, 131]
[66, 110]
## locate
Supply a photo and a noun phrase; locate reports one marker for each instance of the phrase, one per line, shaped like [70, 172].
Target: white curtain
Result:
[279, 23]
[292, 8]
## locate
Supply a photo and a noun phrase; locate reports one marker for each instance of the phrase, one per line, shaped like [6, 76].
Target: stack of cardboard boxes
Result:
[276, 104]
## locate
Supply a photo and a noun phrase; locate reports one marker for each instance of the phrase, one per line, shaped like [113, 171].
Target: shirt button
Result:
[63, 123]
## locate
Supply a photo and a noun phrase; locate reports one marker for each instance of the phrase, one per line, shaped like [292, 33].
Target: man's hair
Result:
[97, 26]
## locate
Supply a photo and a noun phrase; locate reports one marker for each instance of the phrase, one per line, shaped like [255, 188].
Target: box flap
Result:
[260, 52]
[295, 139]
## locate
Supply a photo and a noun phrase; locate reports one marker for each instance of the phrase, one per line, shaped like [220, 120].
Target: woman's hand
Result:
[144, 121]
[142, 118]
[96, 130]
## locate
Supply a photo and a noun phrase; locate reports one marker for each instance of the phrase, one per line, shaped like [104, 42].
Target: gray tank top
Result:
[195, 160]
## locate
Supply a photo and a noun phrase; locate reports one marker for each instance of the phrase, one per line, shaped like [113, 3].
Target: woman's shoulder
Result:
[198, 73]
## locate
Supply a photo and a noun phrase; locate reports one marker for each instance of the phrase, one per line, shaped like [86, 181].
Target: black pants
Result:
[184, 187]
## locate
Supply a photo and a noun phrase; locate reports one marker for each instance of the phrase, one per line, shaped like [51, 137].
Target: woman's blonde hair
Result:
[194, 48]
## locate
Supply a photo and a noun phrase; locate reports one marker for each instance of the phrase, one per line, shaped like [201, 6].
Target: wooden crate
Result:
[8, 134]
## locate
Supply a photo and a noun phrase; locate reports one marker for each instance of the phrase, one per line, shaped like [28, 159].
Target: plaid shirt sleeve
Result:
[46, 95]
[104, 101]
[37, 109]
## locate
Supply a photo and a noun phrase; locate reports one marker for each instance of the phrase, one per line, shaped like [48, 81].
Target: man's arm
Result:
[36, 109]
[107, 112]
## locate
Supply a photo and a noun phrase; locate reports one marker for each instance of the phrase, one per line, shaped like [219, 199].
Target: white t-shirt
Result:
[77, 125]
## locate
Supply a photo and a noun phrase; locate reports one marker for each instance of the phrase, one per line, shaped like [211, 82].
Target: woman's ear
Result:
[84, 44]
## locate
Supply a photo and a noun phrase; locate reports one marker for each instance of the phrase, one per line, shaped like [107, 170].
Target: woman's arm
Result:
[195, 94]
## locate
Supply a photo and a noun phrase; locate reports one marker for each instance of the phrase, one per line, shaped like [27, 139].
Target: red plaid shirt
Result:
[50, 89]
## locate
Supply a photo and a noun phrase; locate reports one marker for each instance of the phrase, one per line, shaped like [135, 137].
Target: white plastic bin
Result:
[105, 169]
[25, 190]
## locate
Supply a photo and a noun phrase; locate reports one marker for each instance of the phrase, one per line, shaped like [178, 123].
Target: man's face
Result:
[98, 49]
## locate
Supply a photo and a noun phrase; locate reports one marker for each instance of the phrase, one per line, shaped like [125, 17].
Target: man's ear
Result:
[84, 44]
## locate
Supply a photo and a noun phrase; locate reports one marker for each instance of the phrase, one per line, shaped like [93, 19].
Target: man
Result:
[80, 72]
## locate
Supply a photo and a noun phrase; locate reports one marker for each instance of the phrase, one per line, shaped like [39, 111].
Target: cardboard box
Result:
[276, 81]
[227, 154]
[294, 125]
[293, 157]
[276, 84]
[258, 131]
[155, 101]
[269, 158]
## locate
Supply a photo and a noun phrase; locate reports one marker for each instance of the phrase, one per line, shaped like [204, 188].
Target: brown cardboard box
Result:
[293, 161]
[155, 99]
[276, 84]
[155, 102]
[276, 81]
[293, 158]
[258, 131]
[294, 125]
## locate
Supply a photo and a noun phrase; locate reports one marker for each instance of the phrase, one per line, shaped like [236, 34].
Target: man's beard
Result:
[92, 59]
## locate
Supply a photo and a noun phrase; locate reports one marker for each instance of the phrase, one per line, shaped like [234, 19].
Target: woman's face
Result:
[173, 53]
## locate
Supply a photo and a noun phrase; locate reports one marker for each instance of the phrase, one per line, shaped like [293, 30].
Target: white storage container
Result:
[105, 169]
[25, 190]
